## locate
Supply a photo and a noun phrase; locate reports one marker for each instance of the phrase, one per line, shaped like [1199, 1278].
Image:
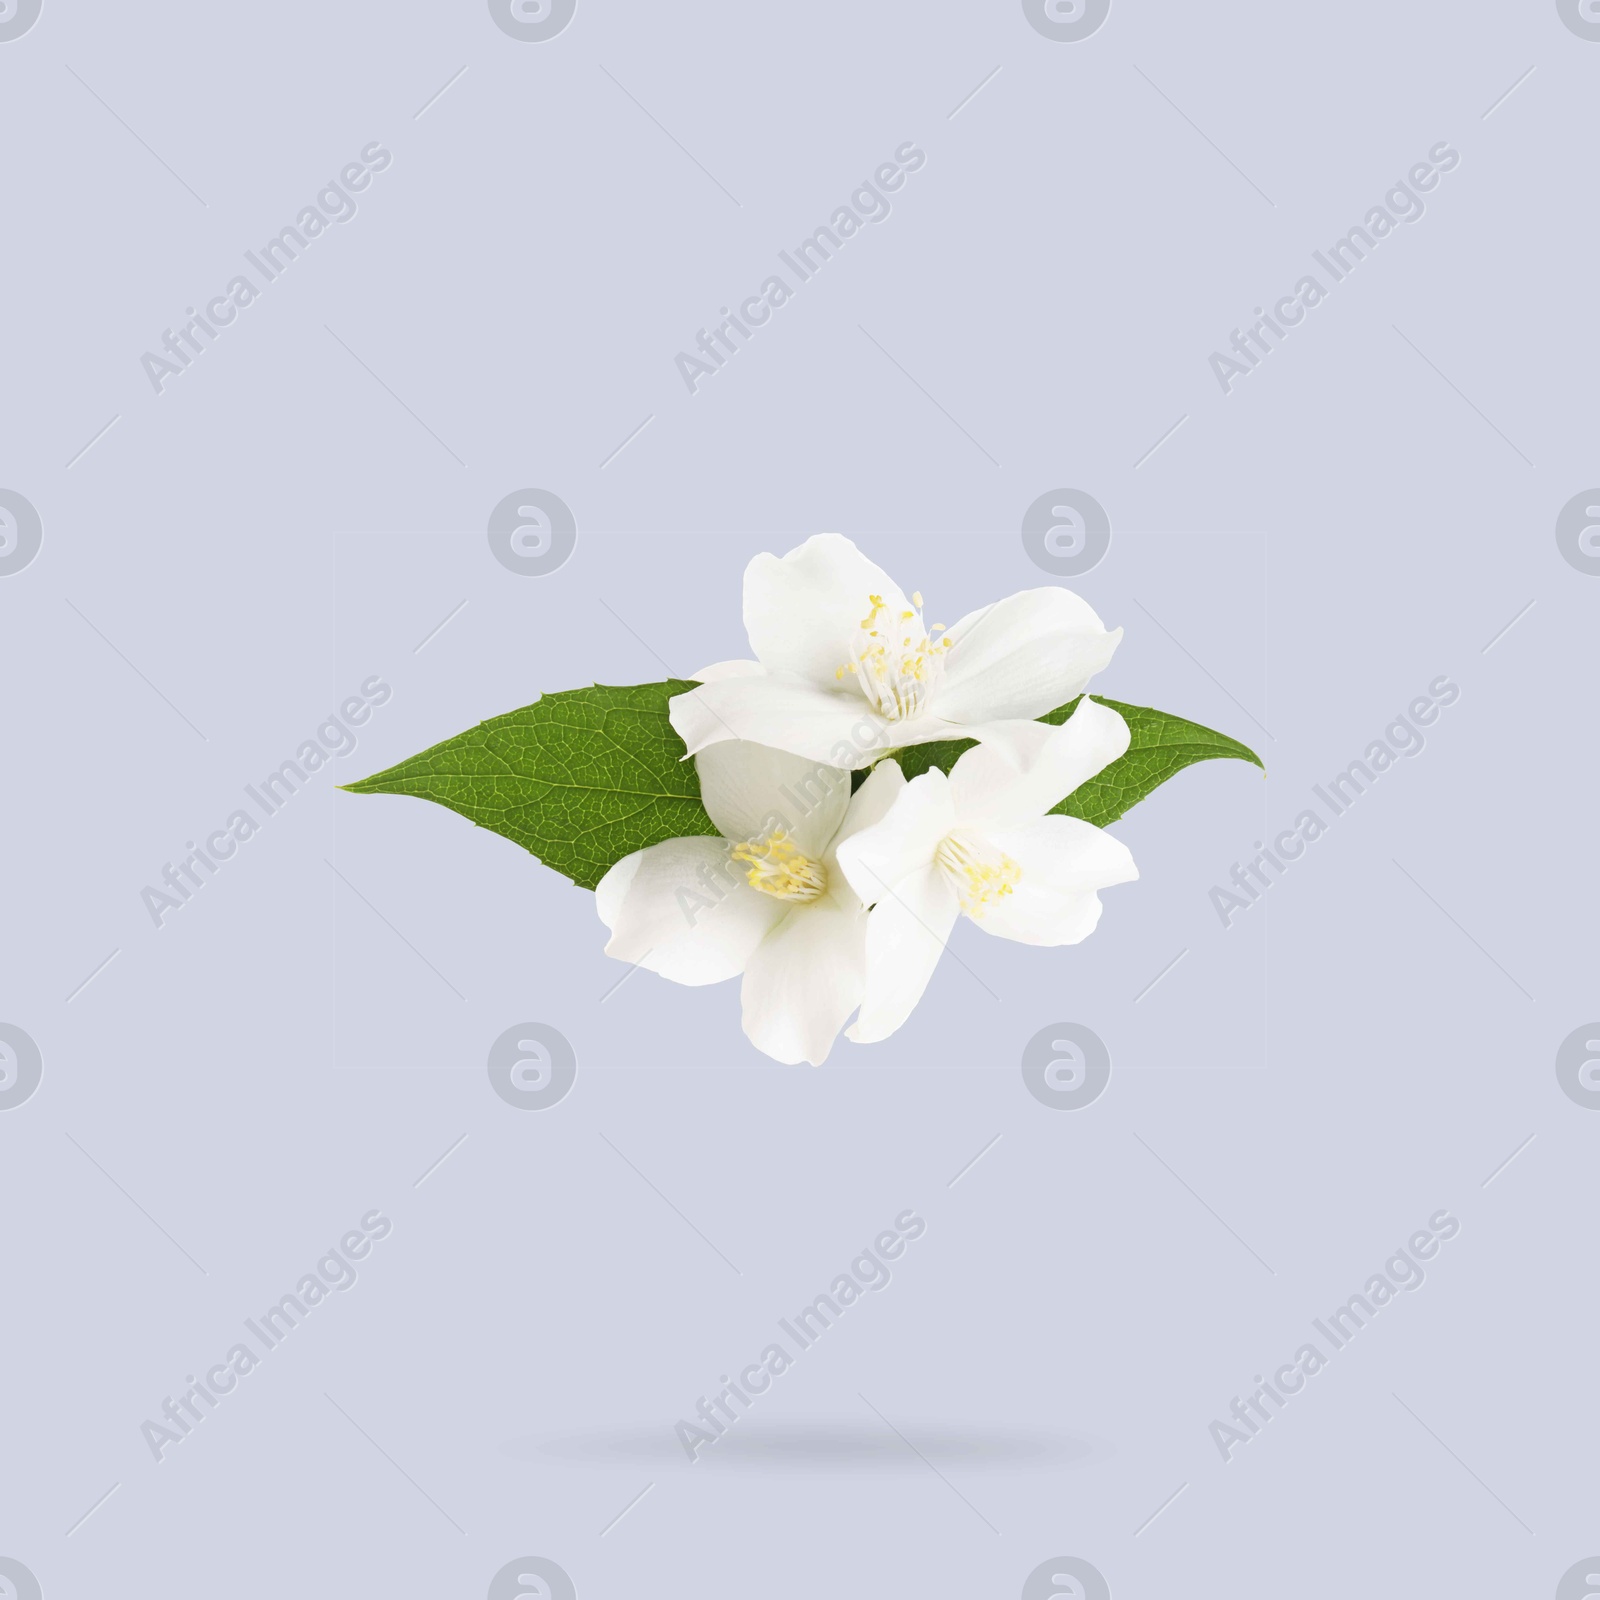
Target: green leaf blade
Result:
[579, 779]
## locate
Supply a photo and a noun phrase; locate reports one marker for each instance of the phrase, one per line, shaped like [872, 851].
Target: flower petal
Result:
[612, 890]
[925, 728]
[1064, 861]
[906, 935]
[804, 981]
[834, 725]
[749, 790]
[1022, 656]
[877, 858]
[1032, 915]
[801, 610]
[869, 805]
[728, 669]
[679, 908]
[1068, 854]
[1032, 766]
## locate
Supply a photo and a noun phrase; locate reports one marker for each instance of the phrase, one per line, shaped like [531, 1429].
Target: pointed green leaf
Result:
[581, 779]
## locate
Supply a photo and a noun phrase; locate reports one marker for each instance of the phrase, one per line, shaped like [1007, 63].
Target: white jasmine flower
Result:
[980, 843]
[847, 669]
[767, 899]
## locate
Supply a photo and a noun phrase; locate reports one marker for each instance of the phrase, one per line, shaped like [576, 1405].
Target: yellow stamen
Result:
[897, 673]
[778, 868]
[980, 873]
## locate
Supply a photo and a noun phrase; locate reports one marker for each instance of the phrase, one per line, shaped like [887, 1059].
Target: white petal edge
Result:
[906, 934]
[904, 841]
[750, 790]
[1068, 853]
[804, 980]
[831, 725]
[1022, 656]
[1031, 767]
[1063, 861]
[678, 909]
[1037, 916]
[728, 669]
[869, 805]
[801, 610]
[612, 889]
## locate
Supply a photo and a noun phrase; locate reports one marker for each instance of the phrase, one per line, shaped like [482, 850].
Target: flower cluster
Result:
[831, 897]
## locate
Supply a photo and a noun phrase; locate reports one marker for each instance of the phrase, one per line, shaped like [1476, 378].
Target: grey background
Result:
[304, 507]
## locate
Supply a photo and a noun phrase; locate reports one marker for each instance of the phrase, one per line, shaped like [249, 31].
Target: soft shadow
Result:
[751, 1445]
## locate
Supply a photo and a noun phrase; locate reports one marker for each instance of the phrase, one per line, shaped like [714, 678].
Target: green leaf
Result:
[583, 778]
[580, 779]
[1162, 746]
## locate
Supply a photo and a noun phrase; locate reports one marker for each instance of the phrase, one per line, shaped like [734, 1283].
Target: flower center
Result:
[895, 659]
[779, 869]
[980, 873]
